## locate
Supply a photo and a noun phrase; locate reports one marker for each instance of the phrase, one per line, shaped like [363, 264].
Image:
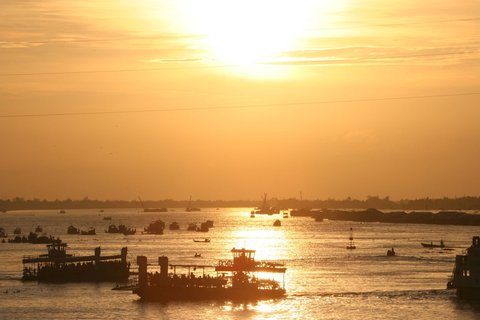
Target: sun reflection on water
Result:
[268, 244]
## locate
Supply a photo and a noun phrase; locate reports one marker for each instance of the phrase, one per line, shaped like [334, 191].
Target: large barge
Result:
[235, 280]
[466, 273]
[58, 266]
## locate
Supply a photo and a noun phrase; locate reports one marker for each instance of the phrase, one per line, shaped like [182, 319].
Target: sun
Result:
[247, 35]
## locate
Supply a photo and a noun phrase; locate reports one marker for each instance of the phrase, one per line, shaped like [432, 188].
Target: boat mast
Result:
[141, 203]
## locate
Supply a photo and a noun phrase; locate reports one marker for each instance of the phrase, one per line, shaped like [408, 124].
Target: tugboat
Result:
[235, 280]
[58, 266]
[391, 253]
[202, 240]
[466, 273]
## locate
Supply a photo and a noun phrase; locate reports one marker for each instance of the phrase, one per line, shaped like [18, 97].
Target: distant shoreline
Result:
[425, 204]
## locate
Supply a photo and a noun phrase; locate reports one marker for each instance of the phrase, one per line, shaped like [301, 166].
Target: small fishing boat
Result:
[277, 223]
[433, 245]
[17, 230]
[202, 240]
[38, 229]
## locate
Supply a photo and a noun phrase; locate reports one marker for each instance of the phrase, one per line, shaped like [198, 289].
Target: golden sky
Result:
[229, 99]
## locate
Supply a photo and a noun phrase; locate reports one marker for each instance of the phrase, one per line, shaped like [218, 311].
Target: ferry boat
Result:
[466, 273]
[235, 280]
[58, 266]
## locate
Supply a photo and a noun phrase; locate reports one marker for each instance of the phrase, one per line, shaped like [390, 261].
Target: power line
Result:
[231, 107]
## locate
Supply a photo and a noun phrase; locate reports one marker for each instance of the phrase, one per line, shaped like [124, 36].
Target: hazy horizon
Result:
[334, 100]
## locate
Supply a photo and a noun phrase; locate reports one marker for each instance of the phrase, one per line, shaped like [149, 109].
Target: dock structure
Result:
[58, 266]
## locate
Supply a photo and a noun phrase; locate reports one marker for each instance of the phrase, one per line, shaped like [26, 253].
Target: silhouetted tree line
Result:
[462, 203]
[86, 203]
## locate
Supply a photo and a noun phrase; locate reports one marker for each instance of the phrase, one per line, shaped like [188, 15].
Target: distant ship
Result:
[466, 273]
[190, 208]
[235, 280]
[151, 209]
[155, 210]
[264, 208]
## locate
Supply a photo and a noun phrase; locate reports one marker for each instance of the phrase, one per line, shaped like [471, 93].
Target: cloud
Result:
[376, 55]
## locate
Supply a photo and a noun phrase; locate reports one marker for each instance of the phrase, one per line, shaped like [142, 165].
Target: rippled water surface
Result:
[323, 280]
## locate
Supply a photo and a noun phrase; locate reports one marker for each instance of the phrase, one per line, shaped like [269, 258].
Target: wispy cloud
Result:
[379, 55]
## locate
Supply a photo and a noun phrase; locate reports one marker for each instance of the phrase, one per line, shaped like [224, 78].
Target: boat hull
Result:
[157, 293]
[469, 293]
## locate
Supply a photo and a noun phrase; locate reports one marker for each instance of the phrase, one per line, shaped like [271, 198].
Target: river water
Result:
[323, 279]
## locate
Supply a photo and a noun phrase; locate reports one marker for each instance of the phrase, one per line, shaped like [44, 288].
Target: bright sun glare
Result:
[248, 34]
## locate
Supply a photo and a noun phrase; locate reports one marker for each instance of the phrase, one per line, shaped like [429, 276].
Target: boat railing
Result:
[271, 263]
[225, 263]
